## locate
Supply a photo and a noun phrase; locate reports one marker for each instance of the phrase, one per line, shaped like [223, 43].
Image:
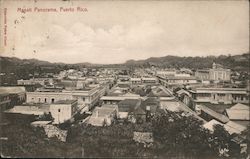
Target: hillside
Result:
[237, 62]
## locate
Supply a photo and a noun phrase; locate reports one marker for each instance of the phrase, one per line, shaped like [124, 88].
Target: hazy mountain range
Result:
[236, 62]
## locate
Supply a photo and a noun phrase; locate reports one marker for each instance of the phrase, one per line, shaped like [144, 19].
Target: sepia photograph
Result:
[162, 79]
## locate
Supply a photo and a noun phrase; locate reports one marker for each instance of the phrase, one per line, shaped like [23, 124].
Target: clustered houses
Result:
[110, 95]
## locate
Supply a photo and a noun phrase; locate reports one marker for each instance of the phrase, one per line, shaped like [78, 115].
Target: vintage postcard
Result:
[124, 79]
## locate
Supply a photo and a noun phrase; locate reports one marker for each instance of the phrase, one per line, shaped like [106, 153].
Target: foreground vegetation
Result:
[175, 136]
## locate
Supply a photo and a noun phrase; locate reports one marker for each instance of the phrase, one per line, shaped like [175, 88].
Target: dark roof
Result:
[128, 105]
[152, 102]
[123, 85]
[220, 117]
[139, 110]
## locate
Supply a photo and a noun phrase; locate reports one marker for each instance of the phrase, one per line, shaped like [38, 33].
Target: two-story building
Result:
[220, 95]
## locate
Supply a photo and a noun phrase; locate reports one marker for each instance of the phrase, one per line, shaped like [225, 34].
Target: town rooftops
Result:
[182, 91]
[12, 90]
[230, 126]
[240, 106]
[65, 102]
[121, 97]
[220, 117]
[36, 109]
[238, 112]
[135, 79]
[104, 110]
[160, 92]
[128, 105]
[220, 90]
[180, 78]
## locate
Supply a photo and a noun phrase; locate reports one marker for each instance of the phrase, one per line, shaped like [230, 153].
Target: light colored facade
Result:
[135, 80]
[179, 80]
[202, 75]
[216, 73]
[103, 115]
[63, 110]
[221, 95]
[88, 97]
[116, 99]
[220, 74]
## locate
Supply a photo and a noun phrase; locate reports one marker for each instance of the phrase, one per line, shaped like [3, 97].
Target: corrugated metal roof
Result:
[220, 117]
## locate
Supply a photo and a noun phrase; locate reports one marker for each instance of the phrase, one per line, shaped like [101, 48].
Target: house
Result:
[103, 116]
[220, 95]
[239, 113]
[63, 110]
[86, 97]
[230, 126]
[171, 105]
[135, 81]
[208, 114]
[176, 80]
[116, 99]
[151, 104]
[184, 96]
[136, 110]
[17, 94]
[26, 113]
[149, 80]
[5, 102]
[160, 92]
[202, 75]
[127, 106]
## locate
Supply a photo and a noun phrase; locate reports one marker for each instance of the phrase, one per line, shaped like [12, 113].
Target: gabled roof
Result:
[230, 127]
[182, 91]
[159, 92]
[220, 117]
[240, 106]
[238, 114]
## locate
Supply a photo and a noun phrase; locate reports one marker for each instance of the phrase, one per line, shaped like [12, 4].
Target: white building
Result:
[221, 95]
[87, 97]
[63, 110]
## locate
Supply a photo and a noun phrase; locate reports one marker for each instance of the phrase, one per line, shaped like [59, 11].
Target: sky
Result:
[115, 31]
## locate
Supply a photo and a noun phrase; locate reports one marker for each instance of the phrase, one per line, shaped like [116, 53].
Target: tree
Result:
[181, 135]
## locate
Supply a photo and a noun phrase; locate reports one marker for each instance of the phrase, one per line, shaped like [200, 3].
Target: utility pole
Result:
[82, 151]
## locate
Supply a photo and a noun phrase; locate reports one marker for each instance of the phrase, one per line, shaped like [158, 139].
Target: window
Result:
[52, 100]
[39, 100]
[45, 100]
[59, 110]
[221, 94]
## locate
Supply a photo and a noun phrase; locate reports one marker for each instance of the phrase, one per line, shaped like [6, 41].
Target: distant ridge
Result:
[236, 62]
